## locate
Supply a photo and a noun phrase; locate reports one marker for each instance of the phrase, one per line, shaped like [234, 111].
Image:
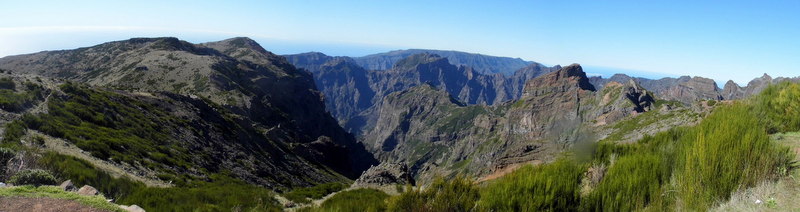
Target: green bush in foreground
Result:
[82, 173]
[726, 152]
[547, 187]
[36, 177]
[633, 182]
[366, 200]
[457, 194]
[222, 194]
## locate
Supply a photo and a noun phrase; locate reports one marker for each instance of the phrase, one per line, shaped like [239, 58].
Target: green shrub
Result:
[14, 131]
[222, 194]
[547, 187]
[7, 83]
[82, 172]
[302, 195]
[113, 126]
[631, 183]
[363, 199]
[727, 151]
[36, 177]
[457, 194]
[18, 101]
[5, 155]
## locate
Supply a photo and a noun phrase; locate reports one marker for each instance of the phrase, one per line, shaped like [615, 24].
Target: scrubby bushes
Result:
[36, 177]
[364, 199]
[11, 100]
[457, 194]
[82, 172]
[548, 187]
[727, 151]
[304, 195]
[778, 106]
[113, 126]
[633, 182]
[222, 194]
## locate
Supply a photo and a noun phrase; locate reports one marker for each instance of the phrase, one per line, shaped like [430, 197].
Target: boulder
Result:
[384, 174]
[132, 208]
[87, 190]
[68, 186]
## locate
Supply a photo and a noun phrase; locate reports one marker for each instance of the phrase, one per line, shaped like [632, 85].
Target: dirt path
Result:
[41, 204]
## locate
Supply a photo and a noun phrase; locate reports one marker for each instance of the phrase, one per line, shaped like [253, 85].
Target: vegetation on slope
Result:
[363, 199]
[222, 193]
[15, 98]
[305, 195]
[56, 192]
[685, 168]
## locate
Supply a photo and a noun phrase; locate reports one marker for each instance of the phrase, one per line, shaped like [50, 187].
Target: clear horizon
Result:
[734, 40]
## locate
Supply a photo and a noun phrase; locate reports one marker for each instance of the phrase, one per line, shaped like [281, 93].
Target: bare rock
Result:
[132, 208]
[68, 186]
[88, 191]
[384, 174]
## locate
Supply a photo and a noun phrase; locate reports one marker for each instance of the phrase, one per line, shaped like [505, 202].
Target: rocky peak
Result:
[558, 81]
[766, 77]
[732, 90]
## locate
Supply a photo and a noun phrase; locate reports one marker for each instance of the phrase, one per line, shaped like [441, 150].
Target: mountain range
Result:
[247, 110]
[169, 113]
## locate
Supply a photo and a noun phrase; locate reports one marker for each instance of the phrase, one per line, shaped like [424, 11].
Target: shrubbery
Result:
[221, 194]
[304, 195]
[364, 199]
[457, 194]
[36, 177]
[729, 150]
[547, 187]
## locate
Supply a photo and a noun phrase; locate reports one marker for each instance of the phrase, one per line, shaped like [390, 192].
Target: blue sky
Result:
[722, 40]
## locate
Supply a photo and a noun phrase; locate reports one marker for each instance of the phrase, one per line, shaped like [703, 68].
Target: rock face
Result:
[383, 175]
[439, 136]
[350, 90]
[264, 119]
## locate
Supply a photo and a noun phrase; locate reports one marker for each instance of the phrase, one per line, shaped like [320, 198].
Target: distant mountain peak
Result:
[230, 44]
[563, 79]
[418, 59]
